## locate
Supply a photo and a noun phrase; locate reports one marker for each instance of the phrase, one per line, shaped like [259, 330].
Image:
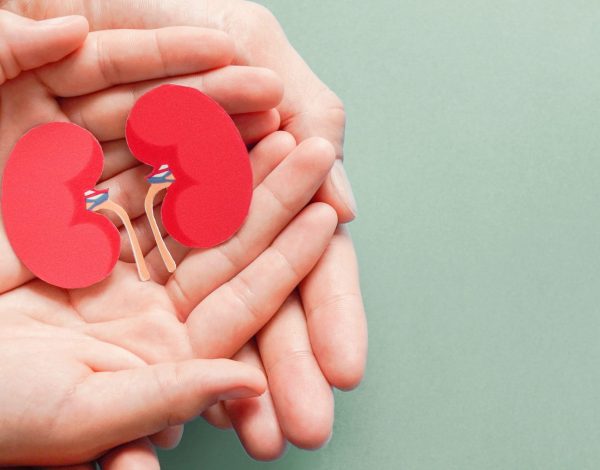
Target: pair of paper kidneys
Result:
[49, 204]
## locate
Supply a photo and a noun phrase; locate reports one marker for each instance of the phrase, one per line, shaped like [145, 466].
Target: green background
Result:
[473, 144]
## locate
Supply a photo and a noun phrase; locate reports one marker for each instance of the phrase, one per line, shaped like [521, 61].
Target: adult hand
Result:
[330, 297]
[67, 397]
[158, 325]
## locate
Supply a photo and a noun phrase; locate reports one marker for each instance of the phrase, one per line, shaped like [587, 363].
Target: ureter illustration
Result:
[97, 200]
[159, 180]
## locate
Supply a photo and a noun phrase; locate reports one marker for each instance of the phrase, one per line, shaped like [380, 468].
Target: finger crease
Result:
[287, 263]
[242, 292]
[290, 356]
[348, 297]
[274, 195]
[179, 298]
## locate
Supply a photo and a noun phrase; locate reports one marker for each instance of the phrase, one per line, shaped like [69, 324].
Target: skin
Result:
[336, 327]
[308, 109]
[66, 386]
[129, 366]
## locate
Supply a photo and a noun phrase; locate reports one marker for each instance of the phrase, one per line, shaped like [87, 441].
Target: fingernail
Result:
[236, 393]
[328, 440]
[59, 21]
[341, 184]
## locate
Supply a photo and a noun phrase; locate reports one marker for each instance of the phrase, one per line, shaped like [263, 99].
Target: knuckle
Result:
[334, 105]
[285, 206]
[286, 263]
[9, 67]
[338, 302]
[243, 294]
[333, 101]
[157, 38]
[167, 379]
[293, 355]
[259, 13]
[233, 251]
[105, 62]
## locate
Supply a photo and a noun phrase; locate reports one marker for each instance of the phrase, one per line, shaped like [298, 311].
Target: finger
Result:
[302, 396]
[118, 56]
[337, 192]
[116, 407]
[234, 312]
[335, 313]
[254, 419]
[255, 126]
[26, 44]
[136, 455]
[168, 438]
[274, 203]
[237, 89]
[217, 416]
[269, 153]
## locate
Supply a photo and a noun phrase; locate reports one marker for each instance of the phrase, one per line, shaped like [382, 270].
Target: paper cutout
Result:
[98, 200]
[48, 208]
[49, 204]
[159, 180]
[200, 157]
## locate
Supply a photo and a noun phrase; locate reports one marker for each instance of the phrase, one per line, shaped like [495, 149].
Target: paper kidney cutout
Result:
[188, 131]
[44, 209]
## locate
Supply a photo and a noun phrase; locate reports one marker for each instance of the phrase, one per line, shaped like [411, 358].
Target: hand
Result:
[67, 397]
[159, 324]
[330, 296]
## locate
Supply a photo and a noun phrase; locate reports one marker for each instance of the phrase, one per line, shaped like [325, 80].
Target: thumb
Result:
[118, 407]
[26, 44]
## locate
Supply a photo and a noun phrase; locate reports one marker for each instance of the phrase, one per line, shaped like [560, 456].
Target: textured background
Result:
[473, 144]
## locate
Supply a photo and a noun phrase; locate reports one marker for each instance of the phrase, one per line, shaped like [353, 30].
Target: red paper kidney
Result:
[44, 211]
[188, 131]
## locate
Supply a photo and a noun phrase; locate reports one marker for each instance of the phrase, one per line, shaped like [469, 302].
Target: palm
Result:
[54, 363]
[68, 397]
[119, 310]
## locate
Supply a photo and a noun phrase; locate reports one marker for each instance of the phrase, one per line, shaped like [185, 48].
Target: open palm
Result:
[67, 398]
